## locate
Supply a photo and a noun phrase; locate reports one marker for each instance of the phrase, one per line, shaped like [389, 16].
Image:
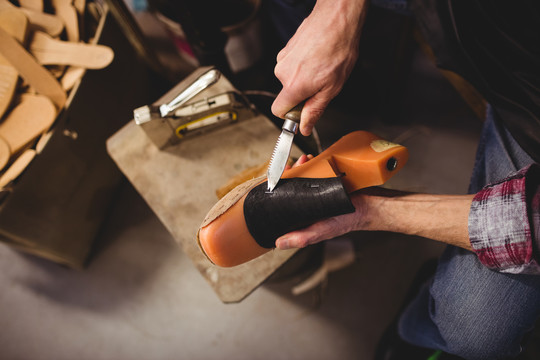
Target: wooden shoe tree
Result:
[17, 167]
[27, 42]
[41, 21]
[67, 12]
[30, 70]
[36, 5]
[31, 117]
[80, 6]
[5, 153]
[14, 23]
[71, 76]
[360, 158]
[49, 51]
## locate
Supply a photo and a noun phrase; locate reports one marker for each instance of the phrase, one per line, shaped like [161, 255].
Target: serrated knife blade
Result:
[279, 158]
[283, 146]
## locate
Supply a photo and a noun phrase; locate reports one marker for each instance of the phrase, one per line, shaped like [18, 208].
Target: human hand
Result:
[326, 229]
[318, 59]
[322, 230]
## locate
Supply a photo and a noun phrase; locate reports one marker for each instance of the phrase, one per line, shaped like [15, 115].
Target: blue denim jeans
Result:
[467, 309]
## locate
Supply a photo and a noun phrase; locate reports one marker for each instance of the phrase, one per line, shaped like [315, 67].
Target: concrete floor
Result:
[141, 298]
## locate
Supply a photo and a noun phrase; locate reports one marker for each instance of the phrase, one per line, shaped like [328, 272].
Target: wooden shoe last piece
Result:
[17, 167]
[65, 10]
[49, 51]
[360, 159]
[5, 153]
[41, 21]
[29, 69]
[14, 23]
[31, 116]
[36, 5]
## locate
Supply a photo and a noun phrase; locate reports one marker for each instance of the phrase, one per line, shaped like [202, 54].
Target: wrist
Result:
[442, 218]
[353, 8]
[367, 214]
[347, 14]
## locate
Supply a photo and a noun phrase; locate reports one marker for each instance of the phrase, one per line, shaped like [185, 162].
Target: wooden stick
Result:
[15, 24]
[49, 51]
[33, 116]
[36, 75]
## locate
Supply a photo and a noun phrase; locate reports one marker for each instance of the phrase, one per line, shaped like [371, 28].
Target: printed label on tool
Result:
[382, 145]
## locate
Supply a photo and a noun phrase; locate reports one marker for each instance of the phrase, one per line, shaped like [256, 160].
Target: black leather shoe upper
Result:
[292, 205]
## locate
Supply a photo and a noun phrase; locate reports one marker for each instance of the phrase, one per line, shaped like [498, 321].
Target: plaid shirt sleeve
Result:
[504, 223]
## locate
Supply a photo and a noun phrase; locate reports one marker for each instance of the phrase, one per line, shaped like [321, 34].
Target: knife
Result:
[283, 146]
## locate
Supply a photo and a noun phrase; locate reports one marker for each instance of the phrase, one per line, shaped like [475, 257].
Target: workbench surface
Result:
[179, 183]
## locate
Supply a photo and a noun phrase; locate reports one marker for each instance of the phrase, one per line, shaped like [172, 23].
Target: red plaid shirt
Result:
[504, 223]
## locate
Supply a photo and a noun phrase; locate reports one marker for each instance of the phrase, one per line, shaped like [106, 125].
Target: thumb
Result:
[285, 101]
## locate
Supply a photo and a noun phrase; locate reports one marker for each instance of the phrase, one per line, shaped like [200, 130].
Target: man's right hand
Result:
[318, 59]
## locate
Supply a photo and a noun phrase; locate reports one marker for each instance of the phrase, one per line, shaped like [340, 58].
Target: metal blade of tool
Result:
[279, 158]
[147, 113]
[283, 146]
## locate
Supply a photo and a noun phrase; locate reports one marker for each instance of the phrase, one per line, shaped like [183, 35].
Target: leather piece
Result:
[294, 204]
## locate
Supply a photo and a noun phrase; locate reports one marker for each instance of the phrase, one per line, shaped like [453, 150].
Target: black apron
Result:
[495, 45]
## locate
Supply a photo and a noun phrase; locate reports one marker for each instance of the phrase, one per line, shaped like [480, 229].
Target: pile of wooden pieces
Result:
[43, 55]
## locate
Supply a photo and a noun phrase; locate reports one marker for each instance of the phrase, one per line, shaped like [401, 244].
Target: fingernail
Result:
[306, 130]
[282, 244]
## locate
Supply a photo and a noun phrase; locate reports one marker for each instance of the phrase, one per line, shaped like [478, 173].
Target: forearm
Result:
[348, 14]
[442, 218]
[501, 222]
